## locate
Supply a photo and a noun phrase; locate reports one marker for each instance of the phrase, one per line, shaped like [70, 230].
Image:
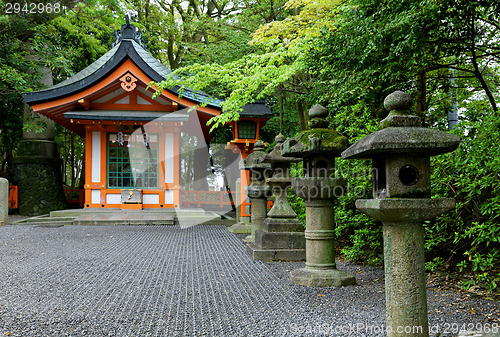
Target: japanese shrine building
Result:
[132, 141]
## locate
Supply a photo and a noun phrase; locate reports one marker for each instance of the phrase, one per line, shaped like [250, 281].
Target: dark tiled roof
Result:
[128, 115]
[256, 109]
[94, 67]
[128, 47]
[109, 62]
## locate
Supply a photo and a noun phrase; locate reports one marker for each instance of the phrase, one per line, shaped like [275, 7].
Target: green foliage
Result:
[72, 152]
[360, 237]
[86, 33]
[184, 32]
[26, 43]
[11, 123]
[435, 264]
[33, 45]
[296, 202]
[290, 125]
[252, 77]
[469, 236]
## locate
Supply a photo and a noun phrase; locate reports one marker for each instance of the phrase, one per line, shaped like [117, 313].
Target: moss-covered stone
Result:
[400, 140]
[315, 141]
[319, 147]
[39, 179]
[37, 148]
[395, 120]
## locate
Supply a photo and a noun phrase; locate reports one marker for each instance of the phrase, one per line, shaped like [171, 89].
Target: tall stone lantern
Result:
[282, 235]
[319, 188]
[257, 190]
[400, 155]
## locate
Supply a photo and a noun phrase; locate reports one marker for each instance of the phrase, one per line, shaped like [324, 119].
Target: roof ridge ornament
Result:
[128, 82]
[128, 32]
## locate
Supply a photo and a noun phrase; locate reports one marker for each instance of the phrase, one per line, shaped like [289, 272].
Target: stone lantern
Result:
[319, 188]
[282, 235]
[400, 154]
[257, 190]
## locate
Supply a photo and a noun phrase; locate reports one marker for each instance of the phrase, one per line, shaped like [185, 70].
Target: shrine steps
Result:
[46, 221]
[182, 217]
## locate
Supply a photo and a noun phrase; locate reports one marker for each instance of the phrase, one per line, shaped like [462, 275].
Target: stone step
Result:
[104, 222]
[124, 218]
[51, 223]
[183, 217]
[33, 219]
[106, 211]
[185, 221]
[46, 221]
[289, 255]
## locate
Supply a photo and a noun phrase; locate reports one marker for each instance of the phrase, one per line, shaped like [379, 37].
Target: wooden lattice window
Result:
[247, 129]
[132, 160]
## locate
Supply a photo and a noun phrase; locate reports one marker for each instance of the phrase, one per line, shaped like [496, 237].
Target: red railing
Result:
[198, 198]
[74, 196]
[13, 196]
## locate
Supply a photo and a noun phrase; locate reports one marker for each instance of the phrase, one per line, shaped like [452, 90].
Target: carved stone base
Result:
[261, 254]
[322, 278]
[240, 228]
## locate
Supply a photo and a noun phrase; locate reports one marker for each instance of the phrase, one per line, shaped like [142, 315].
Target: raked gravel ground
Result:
[168, 281]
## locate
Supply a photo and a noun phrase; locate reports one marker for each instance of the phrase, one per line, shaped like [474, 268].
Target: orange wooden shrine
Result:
[132, 141]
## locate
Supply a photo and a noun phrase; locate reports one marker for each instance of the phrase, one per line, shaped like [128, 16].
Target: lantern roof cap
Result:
[401, 134]
[275, 155]
[403, 140]
[318, 140]
[255, 160]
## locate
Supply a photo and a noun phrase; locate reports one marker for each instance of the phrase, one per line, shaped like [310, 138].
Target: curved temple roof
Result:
[129, 45]
[126, 47]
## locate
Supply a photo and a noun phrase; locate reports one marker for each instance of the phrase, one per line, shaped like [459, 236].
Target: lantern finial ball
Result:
[259, 146]
[398, 100]
[318, 111]
[280, 138]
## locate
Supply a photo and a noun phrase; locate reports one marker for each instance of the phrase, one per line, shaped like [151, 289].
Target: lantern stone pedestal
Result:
[400, 156]
[404, 262]
[4, 201]
[37, 164]
[319, 188]
[282, 235]
[257, 190]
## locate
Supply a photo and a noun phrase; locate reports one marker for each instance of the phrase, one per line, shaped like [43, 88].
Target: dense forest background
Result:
[346, 55]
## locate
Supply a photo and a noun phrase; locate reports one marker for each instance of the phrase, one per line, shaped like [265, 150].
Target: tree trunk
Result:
[422, 95]
[281, 113]
[484, 85]
[81, 182]
[72, 158]
[303, 117]
[477, 71]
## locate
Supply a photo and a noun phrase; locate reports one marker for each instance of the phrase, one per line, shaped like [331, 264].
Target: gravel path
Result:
[167, 281]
